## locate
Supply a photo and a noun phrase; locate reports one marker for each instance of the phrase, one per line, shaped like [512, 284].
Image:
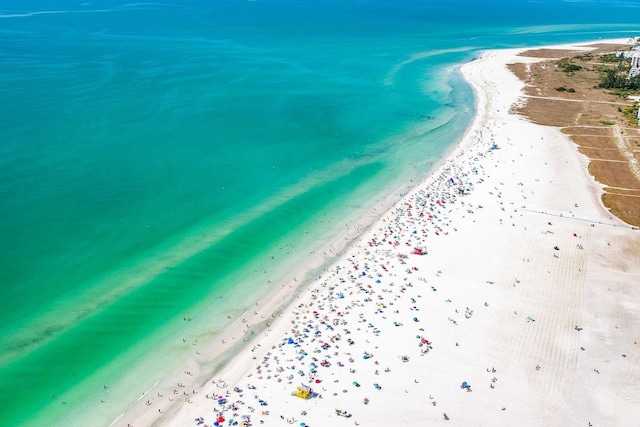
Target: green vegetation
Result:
[613, 71]
[631, 113]
[617, 76]
[611, 57]
[614, 79]
[567, 66]
[620, 93]
[584, 57]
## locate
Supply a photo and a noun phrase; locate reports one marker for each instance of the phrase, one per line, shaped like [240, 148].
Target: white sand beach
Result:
[526, 291]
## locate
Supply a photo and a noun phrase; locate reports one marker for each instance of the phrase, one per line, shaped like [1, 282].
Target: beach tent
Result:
[303, 391]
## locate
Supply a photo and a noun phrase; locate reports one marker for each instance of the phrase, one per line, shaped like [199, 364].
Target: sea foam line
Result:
[53, 12]
[130, 6]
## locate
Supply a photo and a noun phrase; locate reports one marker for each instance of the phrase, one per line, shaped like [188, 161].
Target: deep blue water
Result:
[154, 155]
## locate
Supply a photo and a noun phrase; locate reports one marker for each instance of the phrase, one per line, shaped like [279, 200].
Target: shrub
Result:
[568, 67]
[571, 68]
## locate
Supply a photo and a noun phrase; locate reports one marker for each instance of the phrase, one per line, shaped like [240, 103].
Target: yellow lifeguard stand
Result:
[303, 391]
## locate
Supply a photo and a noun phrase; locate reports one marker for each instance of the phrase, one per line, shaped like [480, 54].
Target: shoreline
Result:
[491, 200]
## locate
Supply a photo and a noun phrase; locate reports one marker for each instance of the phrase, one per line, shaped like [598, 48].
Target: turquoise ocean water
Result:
[169, 160]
